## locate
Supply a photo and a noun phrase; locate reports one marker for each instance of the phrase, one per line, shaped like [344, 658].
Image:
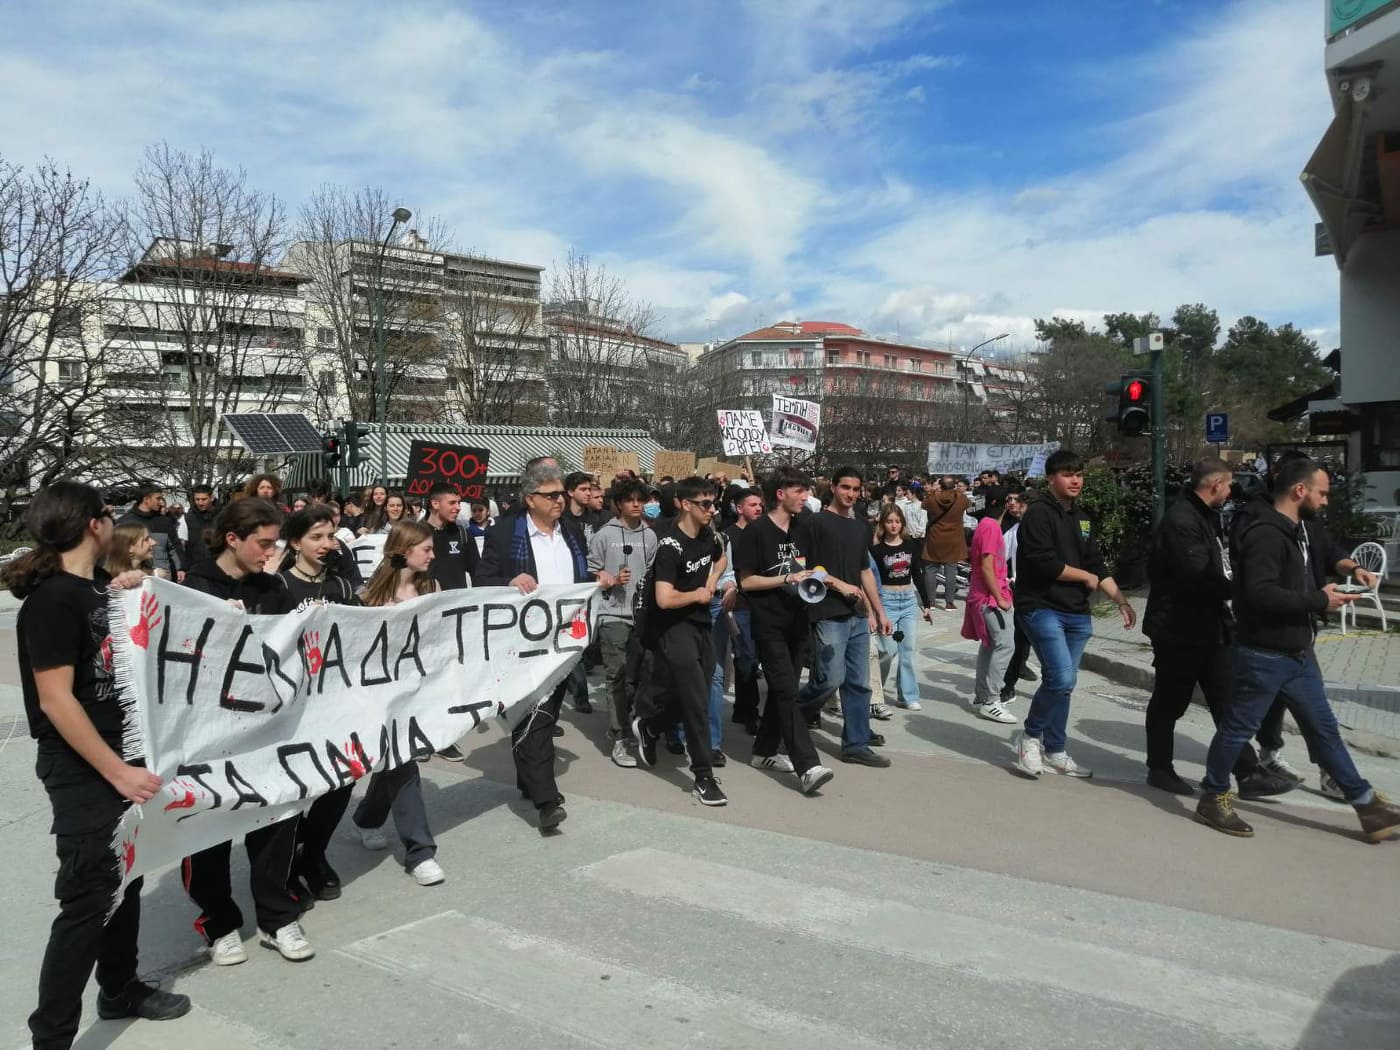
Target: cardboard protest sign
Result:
[742, 432]
[627, 461]
[248, 719]
[714, 465]
[463, 466]
[601, 460]
[951, 457]
[676, 464]
[795, 423]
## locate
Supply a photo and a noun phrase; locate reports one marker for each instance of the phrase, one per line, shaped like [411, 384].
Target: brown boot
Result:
[1380, 818]
[1218, 812]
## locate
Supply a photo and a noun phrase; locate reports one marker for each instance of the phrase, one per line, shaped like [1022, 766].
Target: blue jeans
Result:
[1259, 675]
[1058, 639]
[902, 609]
[745, 665]
[841, 661]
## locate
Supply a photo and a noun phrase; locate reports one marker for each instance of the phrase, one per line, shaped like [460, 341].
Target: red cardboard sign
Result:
[464, 467]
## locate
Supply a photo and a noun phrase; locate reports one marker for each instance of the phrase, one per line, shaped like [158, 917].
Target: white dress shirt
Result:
[554, 561]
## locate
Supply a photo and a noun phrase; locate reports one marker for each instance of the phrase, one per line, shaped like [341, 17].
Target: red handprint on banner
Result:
[578, 626]
[184, 796]
[129, 852]
[150, 619]
[311, 642]
[359, 759]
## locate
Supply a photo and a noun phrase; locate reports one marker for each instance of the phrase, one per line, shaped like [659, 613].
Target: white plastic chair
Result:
[1371, 557]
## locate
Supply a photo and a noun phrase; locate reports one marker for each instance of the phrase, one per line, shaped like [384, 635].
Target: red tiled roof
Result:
[801, 329]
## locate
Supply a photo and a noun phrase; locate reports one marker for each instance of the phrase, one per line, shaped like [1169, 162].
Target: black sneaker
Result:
[718, 758]
[708, 792]
[1008, 694]
[582, 706]
[815, 722]
[558, 730]
[674, 744]
[321, 879]
[865, 757]
[551, 816]
[1167, 780]
[877, 739]
[139, 999]
[452, 753]
[751, 727]
[1261, 784]
[646, 742]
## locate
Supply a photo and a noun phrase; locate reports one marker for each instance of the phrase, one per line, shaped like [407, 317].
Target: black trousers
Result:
[1018, 655]
[318, 824]
[782, 651]
[685, 661]
[1178, 670]
[532, 747]
[270, 852]
[78, 940]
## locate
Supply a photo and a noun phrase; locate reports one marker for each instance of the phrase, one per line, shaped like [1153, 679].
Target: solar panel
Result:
[274, 435]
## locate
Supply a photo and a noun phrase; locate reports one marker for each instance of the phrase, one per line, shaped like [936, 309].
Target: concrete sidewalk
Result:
[1361, 669]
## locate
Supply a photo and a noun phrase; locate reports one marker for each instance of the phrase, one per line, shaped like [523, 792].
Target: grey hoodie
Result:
[612, 547]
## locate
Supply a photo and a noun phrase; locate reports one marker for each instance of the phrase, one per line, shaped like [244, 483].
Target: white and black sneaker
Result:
[777, 763]
[708, 792]
[646, 742]
[814, 778]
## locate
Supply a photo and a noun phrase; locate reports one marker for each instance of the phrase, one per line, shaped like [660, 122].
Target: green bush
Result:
[1120, 503]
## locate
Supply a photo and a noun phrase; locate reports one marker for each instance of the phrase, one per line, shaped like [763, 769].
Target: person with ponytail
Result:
[242, 540]
[308, 579]
[402, 576]
[132, 547]
[76, 719]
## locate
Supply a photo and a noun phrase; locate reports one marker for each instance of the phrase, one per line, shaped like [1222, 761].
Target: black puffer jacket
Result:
[1187, 571]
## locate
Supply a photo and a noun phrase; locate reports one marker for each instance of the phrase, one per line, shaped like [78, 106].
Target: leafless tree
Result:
[361, 282]
[57, 247]
[602, 348]
[1068, 403]
[874, 417]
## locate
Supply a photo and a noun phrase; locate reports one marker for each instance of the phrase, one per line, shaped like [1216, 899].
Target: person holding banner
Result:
[243, 538]
[403, 575]
[76, 719]
[308, 580]
[527, 551]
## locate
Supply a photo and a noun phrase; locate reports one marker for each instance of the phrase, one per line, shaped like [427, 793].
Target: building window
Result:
[891, 361]
[67, 321]
[833, 357]
[325, 338]
[70, 371]
[863, 357]
[916, 363]
[809, 359]
[755, 358]
[1380, 440]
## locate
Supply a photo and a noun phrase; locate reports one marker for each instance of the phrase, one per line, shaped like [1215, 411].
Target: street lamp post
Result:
[966, 385]
[381, 393]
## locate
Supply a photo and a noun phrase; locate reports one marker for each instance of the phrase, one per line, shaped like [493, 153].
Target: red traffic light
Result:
[1135, 390]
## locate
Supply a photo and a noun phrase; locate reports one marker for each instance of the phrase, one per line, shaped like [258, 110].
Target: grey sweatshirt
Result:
[612, 547]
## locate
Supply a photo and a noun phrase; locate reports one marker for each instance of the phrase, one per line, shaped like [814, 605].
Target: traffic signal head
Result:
[1134, 405]
[354, 441]
[330, 450]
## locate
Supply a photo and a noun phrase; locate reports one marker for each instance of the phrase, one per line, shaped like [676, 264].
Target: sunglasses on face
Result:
[703, 504]
[556, 494]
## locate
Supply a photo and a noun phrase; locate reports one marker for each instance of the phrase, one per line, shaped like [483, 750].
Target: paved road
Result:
[941, 902]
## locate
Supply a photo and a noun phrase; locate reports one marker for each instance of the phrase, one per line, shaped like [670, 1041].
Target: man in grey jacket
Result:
[620, 553]
[149, 511]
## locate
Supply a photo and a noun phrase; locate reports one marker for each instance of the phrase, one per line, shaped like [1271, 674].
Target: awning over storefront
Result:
[511, 448]
[1333, 174]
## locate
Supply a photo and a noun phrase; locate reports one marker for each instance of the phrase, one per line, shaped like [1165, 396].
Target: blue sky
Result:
[941, 170]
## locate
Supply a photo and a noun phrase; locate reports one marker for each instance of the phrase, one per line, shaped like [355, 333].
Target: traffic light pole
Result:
[1159, 440]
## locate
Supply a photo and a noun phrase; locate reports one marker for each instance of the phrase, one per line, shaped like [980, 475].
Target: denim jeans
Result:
[902, 610]
[745, 670]
[1058, 639]
[1259, 675]
[841, 662]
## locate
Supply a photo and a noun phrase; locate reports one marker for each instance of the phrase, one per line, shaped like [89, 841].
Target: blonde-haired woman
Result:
[132, 547]
[899, 567]
[401, 577]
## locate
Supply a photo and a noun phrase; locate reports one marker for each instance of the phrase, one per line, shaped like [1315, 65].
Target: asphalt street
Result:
[943, 902]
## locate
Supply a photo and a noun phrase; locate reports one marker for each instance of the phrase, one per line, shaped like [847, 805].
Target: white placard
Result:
[795, 423]
[742, 432]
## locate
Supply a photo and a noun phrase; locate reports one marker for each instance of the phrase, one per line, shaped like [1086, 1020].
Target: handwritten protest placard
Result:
[248, 719]
[951, 457]
[601, 460]
[795, 422]
[463, 466]
[675, 464]
[742, 432]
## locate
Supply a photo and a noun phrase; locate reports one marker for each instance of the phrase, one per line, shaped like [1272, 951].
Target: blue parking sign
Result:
[1217, 428]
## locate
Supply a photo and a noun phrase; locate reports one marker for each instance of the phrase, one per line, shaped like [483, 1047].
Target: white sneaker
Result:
[1274, 762]
[994, 712]
[1060, 762]
[1329, 787]
[777, 763]
[911, 705]
[372, 838]
[428, 873]
[289, 942]
[622, 755]
[815, 778]
[228, 950]
[1028, 756]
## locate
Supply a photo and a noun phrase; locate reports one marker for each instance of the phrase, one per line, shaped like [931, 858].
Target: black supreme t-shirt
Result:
[685, 564]
[763, 549]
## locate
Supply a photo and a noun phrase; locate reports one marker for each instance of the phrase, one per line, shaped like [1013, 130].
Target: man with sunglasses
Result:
[689, 559]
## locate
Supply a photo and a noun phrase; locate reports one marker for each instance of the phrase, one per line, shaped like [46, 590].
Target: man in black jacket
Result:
[1188, 619]
[196, 521]
[1276, 598]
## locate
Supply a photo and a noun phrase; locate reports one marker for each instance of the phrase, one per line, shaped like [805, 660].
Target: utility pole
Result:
[1152, 345]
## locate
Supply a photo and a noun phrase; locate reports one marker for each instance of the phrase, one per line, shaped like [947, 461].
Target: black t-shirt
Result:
[455, 557]
[763, 549]
[731, 538]
[685, 564]
[840, 545]
[298, 593]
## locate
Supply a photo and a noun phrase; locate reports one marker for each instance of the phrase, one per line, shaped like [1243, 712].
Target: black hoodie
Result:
[1276, 590]
[1049, 539]
[258, 591]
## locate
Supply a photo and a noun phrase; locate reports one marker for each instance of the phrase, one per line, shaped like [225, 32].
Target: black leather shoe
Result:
[558, 730]
[674, 744]
[1167, 780]
[877, 739]
[551, 816]
[558, 798]
[139, 999]
[1262, 784]
[321, 879]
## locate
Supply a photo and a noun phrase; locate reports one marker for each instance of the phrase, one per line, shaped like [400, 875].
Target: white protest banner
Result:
[248, 719]
[795, 422]
[1037, 467]
[952, 457]
[369, 552]
[742, 432]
